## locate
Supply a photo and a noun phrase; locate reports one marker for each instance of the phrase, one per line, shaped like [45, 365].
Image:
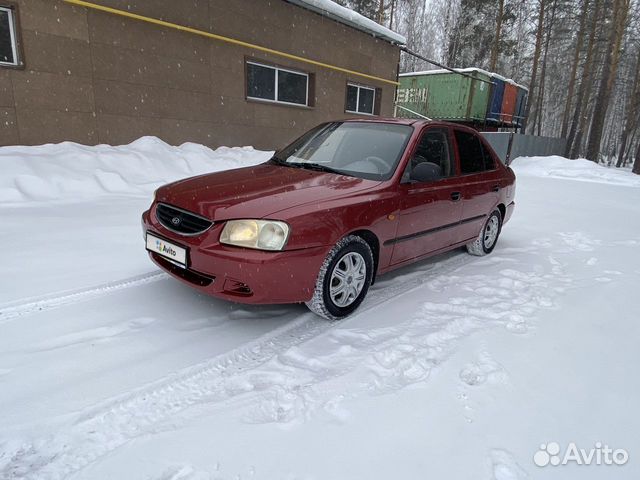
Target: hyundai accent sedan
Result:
[318, 222]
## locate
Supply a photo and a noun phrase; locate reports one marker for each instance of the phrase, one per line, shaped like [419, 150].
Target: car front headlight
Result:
[258, 234]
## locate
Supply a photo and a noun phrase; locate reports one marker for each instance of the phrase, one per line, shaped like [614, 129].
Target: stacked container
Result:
[479, 98]
[495, 104]
[509, 101]
[445, 96]
[521, 106]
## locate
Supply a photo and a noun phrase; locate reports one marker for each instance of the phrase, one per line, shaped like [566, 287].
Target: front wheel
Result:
[343, 280]
[488, 236]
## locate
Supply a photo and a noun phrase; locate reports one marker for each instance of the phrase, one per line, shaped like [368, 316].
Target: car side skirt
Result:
[433, 230]
[389, 268]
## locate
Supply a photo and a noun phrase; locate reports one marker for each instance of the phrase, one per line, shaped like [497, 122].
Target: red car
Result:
[346, 202]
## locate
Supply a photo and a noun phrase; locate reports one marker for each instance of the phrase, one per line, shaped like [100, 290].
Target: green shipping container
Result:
[443, 95]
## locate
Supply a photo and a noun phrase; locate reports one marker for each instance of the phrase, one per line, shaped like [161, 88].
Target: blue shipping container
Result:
[495, 104]
[521, 105]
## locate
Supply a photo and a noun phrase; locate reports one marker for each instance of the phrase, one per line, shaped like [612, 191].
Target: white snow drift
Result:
[69, 171]
[580, 169]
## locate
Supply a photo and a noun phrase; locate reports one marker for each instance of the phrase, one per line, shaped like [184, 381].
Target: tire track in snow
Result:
[388, 358]
[14, 310]
[111, 424]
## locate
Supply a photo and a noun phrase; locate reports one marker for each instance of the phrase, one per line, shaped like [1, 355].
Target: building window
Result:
[360, 99]
[8, 37]
[275, 84]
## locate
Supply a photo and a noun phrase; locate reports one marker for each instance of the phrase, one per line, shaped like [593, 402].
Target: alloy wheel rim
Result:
[491, 232]
[347, 279]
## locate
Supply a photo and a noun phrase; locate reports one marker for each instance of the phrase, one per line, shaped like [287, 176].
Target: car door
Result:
[428, 210]
[481, 183]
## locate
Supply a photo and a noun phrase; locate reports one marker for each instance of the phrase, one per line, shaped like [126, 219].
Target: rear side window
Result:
[473, 155]
[489, 163]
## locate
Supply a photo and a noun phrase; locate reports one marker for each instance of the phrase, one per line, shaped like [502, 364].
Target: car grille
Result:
[180, 221]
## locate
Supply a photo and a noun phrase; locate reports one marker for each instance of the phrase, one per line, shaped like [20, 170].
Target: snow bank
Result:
[580, 169]
[70, 171]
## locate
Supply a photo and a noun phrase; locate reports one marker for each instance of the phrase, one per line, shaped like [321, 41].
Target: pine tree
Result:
[536, 58]
[579, 117]
[543, 73]
[496, 43]
[574, 68]
[631, 121]
[609, 70]
[473, 41]
[368, 8]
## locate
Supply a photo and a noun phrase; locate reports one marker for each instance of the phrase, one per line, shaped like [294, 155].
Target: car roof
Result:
[415, 122]
[399, 121]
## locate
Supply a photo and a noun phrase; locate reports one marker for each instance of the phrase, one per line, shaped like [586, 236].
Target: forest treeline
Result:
[579, 58]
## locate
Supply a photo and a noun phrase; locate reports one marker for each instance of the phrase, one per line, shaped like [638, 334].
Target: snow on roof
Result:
[464, 70]
[341, 14]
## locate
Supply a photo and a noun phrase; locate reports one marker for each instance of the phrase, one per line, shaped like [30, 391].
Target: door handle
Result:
[455, 196]
[495, 188]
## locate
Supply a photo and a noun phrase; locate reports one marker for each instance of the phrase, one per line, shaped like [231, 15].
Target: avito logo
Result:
[161, 247]
[550, 454]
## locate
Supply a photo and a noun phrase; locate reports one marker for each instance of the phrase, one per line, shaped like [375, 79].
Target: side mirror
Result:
[426, 172]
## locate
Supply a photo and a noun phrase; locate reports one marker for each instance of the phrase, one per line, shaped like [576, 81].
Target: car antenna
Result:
[397, 105]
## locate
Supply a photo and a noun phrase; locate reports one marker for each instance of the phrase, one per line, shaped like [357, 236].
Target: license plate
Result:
[168, 250]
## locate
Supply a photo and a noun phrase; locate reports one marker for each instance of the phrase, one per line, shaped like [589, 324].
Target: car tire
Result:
[350, 261]
[488, 237]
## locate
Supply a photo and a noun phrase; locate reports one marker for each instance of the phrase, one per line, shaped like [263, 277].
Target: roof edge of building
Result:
[348, 17]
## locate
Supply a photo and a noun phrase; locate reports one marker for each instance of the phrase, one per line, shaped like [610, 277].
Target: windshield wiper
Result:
[307, 166]
[316, 166]
[277, 160]
[283, 163]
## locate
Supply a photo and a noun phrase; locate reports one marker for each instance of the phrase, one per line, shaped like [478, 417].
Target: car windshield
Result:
[359, 149]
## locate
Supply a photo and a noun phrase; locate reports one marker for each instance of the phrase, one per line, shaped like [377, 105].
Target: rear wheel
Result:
[488, 237]
[343, 280]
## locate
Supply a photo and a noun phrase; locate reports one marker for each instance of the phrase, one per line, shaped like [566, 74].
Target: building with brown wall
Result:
[81, 74]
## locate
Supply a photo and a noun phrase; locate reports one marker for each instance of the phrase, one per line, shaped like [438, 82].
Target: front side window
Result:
[274, 84]
[8, 38]
[472, 153]
[434, 148]
[360, 99]
[358, 149]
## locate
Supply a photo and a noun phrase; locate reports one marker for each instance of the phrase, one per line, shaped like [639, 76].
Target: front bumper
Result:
[240, 274]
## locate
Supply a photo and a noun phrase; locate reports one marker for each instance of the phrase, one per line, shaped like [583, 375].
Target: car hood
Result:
[259, 191]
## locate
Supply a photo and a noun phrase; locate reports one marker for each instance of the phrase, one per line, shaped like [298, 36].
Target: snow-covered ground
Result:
[456, 368]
